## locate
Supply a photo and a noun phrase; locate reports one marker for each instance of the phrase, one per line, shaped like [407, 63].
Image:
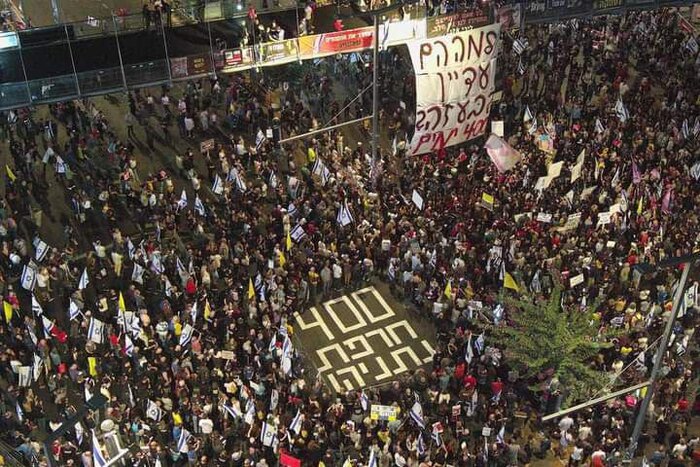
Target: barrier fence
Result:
[46, 65]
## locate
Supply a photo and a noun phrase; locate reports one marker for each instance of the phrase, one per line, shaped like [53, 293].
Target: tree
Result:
[541, 337]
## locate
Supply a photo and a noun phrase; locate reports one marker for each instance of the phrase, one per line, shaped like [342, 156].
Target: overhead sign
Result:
[352, 40]
[383, 412]
[471, 18]
[455, 77]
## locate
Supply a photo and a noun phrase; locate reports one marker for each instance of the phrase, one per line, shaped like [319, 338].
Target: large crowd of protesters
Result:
[171, 292]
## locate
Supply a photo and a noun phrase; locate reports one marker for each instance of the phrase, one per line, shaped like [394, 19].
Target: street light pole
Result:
[375, 92]
[658, 360]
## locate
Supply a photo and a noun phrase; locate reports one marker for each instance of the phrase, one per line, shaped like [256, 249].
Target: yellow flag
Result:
[640, 205]
[251, 289]
[487, 198]
[283, 260]
[7, 307]
[207, 309]
[177, 419]
[509, 282]
[122, 305]
[289, 241]
[448, 290]
[92, 366]
[10, 174]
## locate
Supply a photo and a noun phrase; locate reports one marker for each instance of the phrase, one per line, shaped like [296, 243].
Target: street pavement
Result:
[364, 338]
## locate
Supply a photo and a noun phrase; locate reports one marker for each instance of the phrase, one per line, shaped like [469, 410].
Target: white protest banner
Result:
[383, 412]
[576, 280]
[544, 217]
[604, 218]
[455, 78]
[554, 169]
[615, 208]
[497, 128]
[417, 199]
[543, 183]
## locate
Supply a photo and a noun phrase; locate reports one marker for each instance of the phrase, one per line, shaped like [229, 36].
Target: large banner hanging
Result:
[454, 83]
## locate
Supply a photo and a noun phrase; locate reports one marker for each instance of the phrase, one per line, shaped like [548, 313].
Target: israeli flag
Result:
[273, 343]
[501, 436]
[621, 110]
[234, 410]
[28, 278]
[79, 433]
[521, 68]
[519, 45]
[292, 210]
[186, 335]
[154, 412]
[433, 259]
[685, 129]
[364, 401]
[287, 348]
[469, 353]
[41, 249]
[98, 459]
[260, 140]
[599, 128]
[218, 186]
[286, 364]
[36, 307]
[84, 280]
[199, 207]
[533, 126]
[295, 426]
[182, 440]
[274, 399]
[272, 181]
[437, 438]
[527, 115]
[234, 176]
[182, 203]
[19, 411]
[131, 248]
[696, 127]
[128, 346]
[420, 447]
[268, 435]
[137, 273]
[157, 263]
[297, 233]
[391, 272]
[73, 310]
[416, 414]
[372, 458]
[479, 344]
[322, 171]
[96, 331]
[344, 215]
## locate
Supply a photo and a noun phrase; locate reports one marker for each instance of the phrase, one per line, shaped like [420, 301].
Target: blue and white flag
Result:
[36, 307]
[79, 433]
[157, 263]
[186, 335]
[137, 273]
[295, 426]
[272, 181]
[274, 399]
[84, 280]
[685, 129]
[469, 352]
[28, 279]
[599, 128]
[182, 202]
[479, 344]
[287, 347]
[420, 446]
[621, 110]
[41, 249]
[416, 414]
[528, 115]
[364, 401]
[234, 410]
[292, 210]
[521, 68]
[96, 330]
[268, 435]
[128, 346]
[131, 248]
[391, 272]
[182, 440]
[199, 207]
[372, 462]
[501, 436]
[695, 171]
[533, 126]
[154, 412]
[218, 186]
[98, 459]
[273, 343]
[320, 169]
[344, 215]
[297, 233]
[19, 412]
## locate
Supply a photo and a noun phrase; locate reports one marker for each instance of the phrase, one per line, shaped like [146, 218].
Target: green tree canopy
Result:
[542, 337]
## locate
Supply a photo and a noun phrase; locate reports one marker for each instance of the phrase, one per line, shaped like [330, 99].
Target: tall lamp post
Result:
[687, 261]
